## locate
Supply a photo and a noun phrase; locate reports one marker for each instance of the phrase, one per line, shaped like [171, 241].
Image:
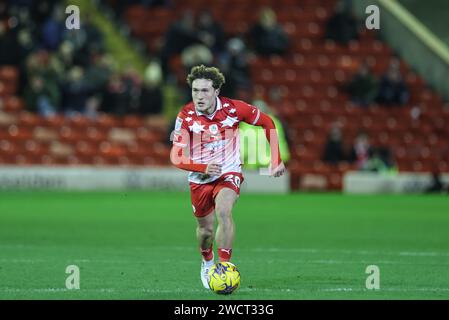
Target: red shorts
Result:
[203, 195]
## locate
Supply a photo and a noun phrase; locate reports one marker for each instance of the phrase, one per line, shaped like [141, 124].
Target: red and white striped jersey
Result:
[215, 137]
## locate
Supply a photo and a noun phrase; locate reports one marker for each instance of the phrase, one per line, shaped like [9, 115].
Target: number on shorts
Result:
[235, 180]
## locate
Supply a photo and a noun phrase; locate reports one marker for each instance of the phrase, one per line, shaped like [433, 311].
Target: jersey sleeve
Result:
[247, 112]
[252, 115]
[181, 136]
[181, 139]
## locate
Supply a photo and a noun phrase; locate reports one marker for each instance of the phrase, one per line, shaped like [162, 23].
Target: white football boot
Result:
[205, 267]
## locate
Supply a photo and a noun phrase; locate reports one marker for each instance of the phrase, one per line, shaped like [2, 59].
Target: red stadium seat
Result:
[311, 77]
[9, 75]
[56, 121]
[13, 104]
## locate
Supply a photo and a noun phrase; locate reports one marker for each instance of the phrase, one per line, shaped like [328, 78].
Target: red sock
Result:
[224, 254]
[208, 254]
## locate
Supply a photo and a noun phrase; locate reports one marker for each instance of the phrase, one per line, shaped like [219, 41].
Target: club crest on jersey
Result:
[213, 128]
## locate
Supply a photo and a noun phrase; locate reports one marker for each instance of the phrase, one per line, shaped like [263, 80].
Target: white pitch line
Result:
[108, 261]
[270, 261]
[330, 262]
[177, 291]
[311, 250]
[102, 290]
[150, 248]
[3, 260]
[387, 289]
[337, 289]
[352, 252]
[423, 254]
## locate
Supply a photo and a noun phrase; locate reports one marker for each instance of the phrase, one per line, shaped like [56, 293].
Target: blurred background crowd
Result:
[343, 99]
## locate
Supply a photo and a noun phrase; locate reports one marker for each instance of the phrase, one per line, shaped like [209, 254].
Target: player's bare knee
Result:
[224, 213]
[205, 232]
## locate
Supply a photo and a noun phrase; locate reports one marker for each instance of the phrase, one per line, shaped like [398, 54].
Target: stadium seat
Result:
[55, 122]
[132, 121]
[85, 149]
[71, 134]
[30, 119]
[9, 73]
[19, 133]
[310, 77]
[13, 104]
[96, 134]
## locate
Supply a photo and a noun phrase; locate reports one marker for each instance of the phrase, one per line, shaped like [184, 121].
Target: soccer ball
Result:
[224, 278]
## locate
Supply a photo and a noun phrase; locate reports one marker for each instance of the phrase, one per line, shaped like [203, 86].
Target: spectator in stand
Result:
[342, 27]
[361, 152]
[196, 54]
[180, 35]
[26, 45]
[64, 58]
[392, 87]
[25, 20]
[76, 91]
[41, 10]
[9, 46]
[236, 67]
[334, 149]
[53, 29]
[100, 69]
[210, 32]
[381, 161]
[133, 84]
[151, 100]
[120, 7]
[191, 56]
[118, 94]
[363, 87]
[42, 96]
[267, 36]
[78, 40]
[94, 38]
[39, 63]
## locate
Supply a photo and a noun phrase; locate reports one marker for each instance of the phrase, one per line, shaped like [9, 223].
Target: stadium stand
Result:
[310, 77]
[27, 138]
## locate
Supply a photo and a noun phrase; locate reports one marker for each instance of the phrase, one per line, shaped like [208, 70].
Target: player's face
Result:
[204, 95]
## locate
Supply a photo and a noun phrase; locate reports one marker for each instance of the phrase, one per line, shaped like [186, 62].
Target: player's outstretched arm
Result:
[180, 159]
[251, 115]
[277, 167]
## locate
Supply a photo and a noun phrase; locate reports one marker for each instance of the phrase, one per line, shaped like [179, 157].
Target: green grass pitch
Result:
[141, 245]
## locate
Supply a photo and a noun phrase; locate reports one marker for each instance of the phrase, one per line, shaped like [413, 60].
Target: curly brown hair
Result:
[209, 73]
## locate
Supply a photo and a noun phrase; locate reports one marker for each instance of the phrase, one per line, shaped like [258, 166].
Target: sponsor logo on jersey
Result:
[215, 145]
